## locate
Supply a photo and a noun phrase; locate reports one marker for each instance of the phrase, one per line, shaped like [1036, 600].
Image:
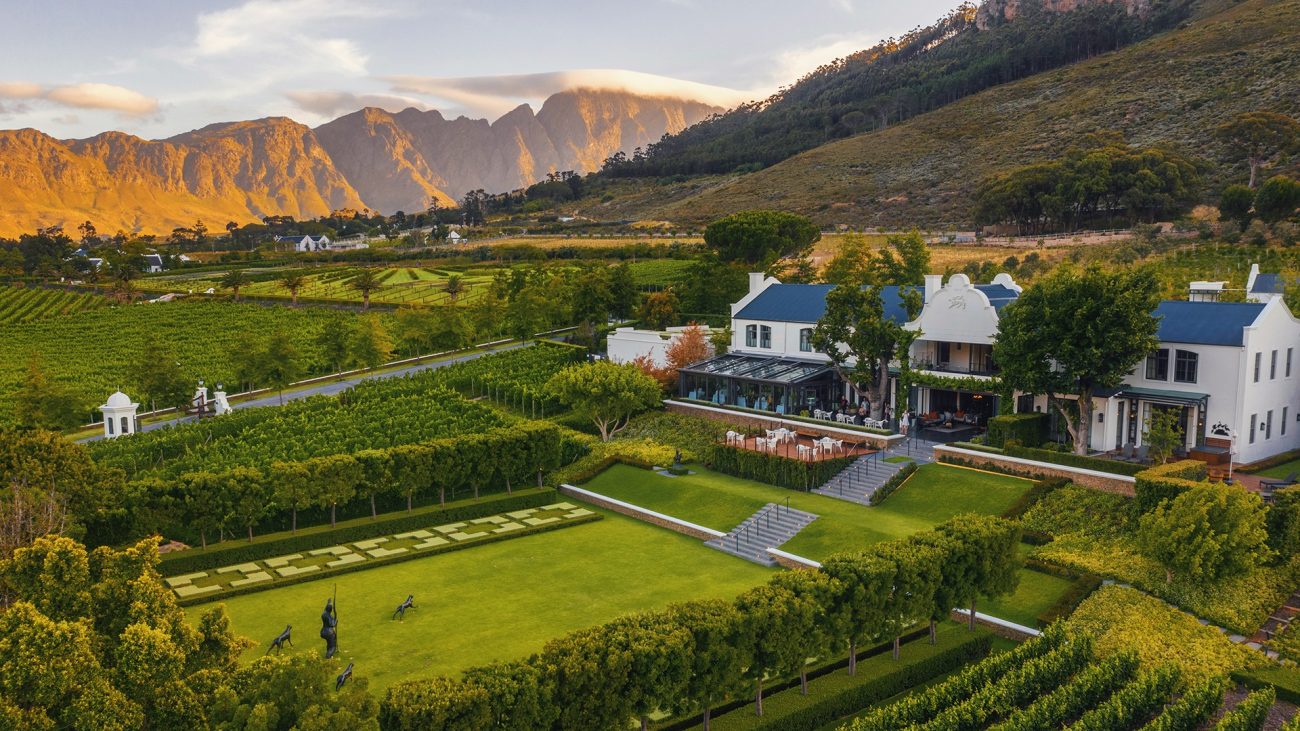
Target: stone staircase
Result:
[768, 528]
[860, 480]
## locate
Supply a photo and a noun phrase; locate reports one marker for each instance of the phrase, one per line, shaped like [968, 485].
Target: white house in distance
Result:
[119, 415]
[153, 263]
[456, 238]
[626, 344]
[304, 243]
[1225, 367]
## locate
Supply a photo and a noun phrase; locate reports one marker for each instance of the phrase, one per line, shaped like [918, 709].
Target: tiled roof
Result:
[1205, 323]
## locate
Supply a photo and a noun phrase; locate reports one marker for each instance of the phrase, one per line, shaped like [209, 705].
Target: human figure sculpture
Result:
[677, 458]
[329, 622]
[400, 612]
[343, 677]
[277, 644]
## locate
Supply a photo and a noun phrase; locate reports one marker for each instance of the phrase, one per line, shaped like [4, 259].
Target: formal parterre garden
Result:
[329, 560]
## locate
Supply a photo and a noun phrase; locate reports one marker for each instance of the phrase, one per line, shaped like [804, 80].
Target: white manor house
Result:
[1229, 369]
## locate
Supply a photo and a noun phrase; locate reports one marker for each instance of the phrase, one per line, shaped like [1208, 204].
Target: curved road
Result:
[328, 388]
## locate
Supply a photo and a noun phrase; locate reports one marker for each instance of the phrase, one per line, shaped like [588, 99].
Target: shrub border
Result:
[1253, 680]
[894, 482]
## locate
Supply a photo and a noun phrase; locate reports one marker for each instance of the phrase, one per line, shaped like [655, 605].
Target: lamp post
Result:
[1232, 450]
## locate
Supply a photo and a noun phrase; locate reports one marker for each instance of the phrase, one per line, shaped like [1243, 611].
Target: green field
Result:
[500, 601]
[934, 494]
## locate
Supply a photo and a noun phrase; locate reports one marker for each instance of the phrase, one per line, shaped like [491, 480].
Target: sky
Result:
[157, 68]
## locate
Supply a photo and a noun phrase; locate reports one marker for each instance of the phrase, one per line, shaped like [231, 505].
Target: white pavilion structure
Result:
[119, 415]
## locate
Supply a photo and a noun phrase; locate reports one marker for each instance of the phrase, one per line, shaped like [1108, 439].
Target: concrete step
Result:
[770, 527]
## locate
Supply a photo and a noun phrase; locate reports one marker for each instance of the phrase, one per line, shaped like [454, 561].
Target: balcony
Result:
[961, 359]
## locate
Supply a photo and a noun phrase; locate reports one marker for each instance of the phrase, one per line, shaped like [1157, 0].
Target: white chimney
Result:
[933, 283]
[756, 280]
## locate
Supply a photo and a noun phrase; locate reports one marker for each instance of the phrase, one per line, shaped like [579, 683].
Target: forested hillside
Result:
[1173, 89]
[963, 53]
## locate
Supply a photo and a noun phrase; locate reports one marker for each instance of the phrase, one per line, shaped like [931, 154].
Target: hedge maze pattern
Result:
[324, 560]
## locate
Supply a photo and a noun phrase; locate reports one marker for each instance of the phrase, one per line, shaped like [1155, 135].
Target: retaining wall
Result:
[640, 513]
[1104, 481]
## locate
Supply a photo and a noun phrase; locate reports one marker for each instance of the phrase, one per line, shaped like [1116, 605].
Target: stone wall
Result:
[1118, 484]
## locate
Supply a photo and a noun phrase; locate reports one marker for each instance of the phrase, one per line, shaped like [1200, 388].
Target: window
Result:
[124, 428]
[1185, 366]
[1254, 420]
[805, 340]
[751, 336]
[1288, 362]
[764, 336]
[1158, 365]
[1284, 420]
[1268, 425]
[1259, 358]
[1272, 366]
[109, 423]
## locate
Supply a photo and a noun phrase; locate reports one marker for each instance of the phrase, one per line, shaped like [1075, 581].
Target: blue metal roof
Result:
[1268, 283]
[1205, 323]
[999, 295]
[807, 303]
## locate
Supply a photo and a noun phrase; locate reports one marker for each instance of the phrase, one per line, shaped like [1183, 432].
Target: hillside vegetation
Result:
[1173, 89]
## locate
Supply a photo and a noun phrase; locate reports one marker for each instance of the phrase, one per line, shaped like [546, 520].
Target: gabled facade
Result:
[1230, 370]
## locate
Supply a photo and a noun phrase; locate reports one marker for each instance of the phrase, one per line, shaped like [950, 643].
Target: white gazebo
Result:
[119, 415]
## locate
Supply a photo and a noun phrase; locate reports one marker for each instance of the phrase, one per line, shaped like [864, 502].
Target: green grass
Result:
[1283, 470]
[500, 601]
[934, 494]
[1036, 593]
[899, 459]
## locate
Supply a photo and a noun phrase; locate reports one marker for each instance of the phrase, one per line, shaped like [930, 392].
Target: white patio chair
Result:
[733, 437]
[805, 451]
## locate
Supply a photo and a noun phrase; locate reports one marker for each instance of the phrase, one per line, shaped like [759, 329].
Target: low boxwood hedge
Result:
[893, 483]
[377, 562]
[235, 552]
[1031, 497]
[1070, 459]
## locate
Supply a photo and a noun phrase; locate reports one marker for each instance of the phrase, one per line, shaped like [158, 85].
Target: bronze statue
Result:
[329, 621]
[343, 677]
[277, 644]
[400, 612]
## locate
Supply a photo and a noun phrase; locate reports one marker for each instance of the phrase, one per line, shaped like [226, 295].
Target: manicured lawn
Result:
[500, 601]
[934, 494]
[1037, 592]
[1283, 470]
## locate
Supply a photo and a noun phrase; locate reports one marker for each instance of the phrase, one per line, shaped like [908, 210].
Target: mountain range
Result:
[371, 158]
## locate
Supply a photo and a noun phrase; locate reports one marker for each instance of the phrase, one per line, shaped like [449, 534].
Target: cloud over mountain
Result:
[82, 96]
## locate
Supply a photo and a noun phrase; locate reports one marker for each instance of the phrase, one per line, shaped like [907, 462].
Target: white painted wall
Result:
[626, 344]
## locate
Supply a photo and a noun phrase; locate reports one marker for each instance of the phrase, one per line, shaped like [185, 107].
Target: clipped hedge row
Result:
[773, 469]
[235, 552]
[1284, 680]
[893, 483]
[851, 700]
[388, 560]
[1165, 482]
[1027, 429]
[1041, 489]
[1070, 459]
